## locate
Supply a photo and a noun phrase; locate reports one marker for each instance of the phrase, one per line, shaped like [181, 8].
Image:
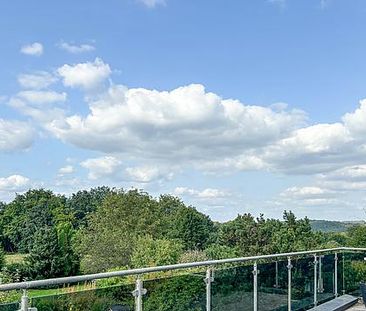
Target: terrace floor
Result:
[357, 307]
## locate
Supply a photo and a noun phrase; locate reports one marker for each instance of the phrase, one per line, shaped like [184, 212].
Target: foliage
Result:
[193, 256]
[149, 252]
[252, 236]
[28, 213]
[216, 251]
[14, 272]
[83, 203]
[357, 236]
[113, 229]
[191, 227]
[49, 257]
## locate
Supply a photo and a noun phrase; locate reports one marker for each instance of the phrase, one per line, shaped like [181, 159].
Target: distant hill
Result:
[333, 226]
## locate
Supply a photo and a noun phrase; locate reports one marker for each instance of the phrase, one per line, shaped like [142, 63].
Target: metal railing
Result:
[210, 266]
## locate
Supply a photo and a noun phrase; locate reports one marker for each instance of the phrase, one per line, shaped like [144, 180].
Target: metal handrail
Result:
[141, 271]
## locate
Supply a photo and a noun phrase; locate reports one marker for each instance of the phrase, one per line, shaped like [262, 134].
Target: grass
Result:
[14, 258]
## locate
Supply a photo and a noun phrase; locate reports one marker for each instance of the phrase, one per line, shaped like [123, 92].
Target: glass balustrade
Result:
[289, 282]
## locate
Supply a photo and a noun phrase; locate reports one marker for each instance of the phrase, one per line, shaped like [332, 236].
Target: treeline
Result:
[105, 229]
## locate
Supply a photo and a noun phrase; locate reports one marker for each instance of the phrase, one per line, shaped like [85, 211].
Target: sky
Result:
[234, 106]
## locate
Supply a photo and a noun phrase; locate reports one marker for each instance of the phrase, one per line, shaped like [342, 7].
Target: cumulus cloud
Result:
[15, 135]
[189, 126]
[313, 149]
[307, 193]
[85, 75]
[152, 3]
[14, 183]
[186, 124]
[37, 80]
[42, 97]
[309, 196]
[145, 174]
[68, 169]
[101, 167]
[112, 167]
[208, 193]
[35, 49]
[74, 48]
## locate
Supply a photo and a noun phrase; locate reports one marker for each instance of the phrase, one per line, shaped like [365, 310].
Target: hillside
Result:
[333, 226]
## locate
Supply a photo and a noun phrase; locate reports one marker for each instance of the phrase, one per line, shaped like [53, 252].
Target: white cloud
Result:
[38, 80]
[314, 149]
[190, 127]
[208, 193]
[310, 196]
[186, 124]
[35, 49]
[68, 169]
[101, 167]
[76, 49]
[15, 135]
[356, 121]
[14, 183]
[152, 3]
[307, 193]
[41, 114]
[85, 75]
[145, 174]
[42, 97]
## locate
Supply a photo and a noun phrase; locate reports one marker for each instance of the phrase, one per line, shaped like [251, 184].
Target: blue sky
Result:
[240, 106]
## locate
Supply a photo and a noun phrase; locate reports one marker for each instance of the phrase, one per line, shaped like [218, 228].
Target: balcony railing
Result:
[287, 281]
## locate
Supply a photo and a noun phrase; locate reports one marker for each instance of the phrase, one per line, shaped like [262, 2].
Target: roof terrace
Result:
[326, 279]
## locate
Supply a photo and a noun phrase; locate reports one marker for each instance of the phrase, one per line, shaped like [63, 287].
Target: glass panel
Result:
[176, 293]
[354, 272]
[302, 283]
[272, 289]
[325, 278]
[95, 299]
[233, 289]
[9, 306]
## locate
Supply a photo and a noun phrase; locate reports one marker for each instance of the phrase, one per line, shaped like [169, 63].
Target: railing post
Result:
[24, 302]
[276, 281]
[255, 286]
[315, 280]
[343, 279]
[208, 280]
[138, 293]
[289, 285]
[336, 275]
[320, 280]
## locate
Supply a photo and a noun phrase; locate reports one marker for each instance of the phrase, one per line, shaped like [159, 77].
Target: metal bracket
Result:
[139, 292]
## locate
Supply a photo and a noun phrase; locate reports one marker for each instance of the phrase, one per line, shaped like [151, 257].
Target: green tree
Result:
[26, 214]
[44, 260]
[110, 237]
[191, 227]
[84, 203]
[357, 236]
[149, 252]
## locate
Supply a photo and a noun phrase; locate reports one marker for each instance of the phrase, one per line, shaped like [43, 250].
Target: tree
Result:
[27, 213]
[191, 227]
[149, 252]
[51, 254]
[357, 236]
[44, 260]
[83, 203]
[113, 230]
